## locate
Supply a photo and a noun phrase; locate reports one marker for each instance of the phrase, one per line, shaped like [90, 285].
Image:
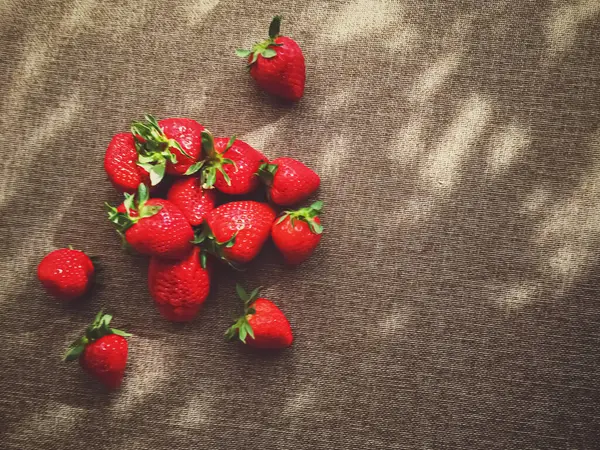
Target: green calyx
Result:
[153, 148]
[307, 215]
[99, 328]
[242, 328]
[135, 210]
[265, 48]
[213, 161]
[209, 244]
[266, 172]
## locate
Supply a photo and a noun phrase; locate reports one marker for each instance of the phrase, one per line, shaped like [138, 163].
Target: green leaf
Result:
[251, 311]
[315, 227]
[120, 332]
[74, 352]
[250, 330]
[157, 173]
[254, 294]
[149, 211]
[254, 58]
[143, 194]
[275, 27]
[230, 143]
[241, 292]
[242, 333]
[268, 53]
[171, 157]
[194, 168]
[203, 259]
[105, 321]
[145, 159]
[208, 143]
[129, 202]
[317, 206]
[242, 53]
[281, 219]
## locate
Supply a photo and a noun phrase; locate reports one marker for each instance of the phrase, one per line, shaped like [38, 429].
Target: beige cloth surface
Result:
[453, 302]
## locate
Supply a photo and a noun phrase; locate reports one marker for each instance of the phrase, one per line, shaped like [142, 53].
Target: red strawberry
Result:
[237, 231]
[168, 145]
[297, 233]
[66, 273]
[153, 227]
[289, 181]
[230, 165]
[102, 351]
[277, 64]
[194, 202]
[179, 287]
[120, 164]
[263, 324]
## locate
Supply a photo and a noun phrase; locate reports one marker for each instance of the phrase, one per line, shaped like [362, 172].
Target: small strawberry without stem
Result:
[263, 324]
[277, 64]
[230, 165]
[192, 199]
[166, 146]
[121, 164]
[236, 231]
[297, 233]
[289, 181]
[102, 351]
[66, 273]
[179, 288]
[153, 227]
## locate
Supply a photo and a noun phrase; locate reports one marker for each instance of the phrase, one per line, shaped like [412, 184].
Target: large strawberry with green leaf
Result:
[167, 146]
[121, 164]
[297, 233]
[179, 287]
[102, 351]
[153, 227]
[236, 231]
[230, 165]
[263, 324]
[289, 181]
[277, 64]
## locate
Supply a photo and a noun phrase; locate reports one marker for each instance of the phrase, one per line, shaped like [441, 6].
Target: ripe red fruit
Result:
[102, 351]
[66, 273]
[289, 181]
[263, 324]
[297, 233]
[168, 145]
[121, 164]
[277, 64]
[153, 227]
[179, 288]
[193, 201]
[236, 231]
[230, 165]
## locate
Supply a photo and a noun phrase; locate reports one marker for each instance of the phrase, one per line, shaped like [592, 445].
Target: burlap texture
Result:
[453, 302]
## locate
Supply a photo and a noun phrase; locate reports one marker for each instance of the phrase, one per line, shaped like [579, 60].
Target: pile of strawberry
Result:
[185, 206]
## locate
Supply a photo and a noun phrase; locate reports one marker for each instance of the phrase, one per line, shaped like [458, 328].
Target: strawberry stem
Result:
[242, 328]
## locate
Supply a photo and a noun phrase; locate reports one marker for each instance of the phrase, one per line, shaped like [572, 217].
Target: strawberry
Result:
[179, 287]
[289, 181]
[168, 145]
[297, 233]
[121, 164]
[102, 351]
[66, 273]
[236, 231]
[277, 64]
[263, 324]
[192, 199]
[230, 165]
[153, 227]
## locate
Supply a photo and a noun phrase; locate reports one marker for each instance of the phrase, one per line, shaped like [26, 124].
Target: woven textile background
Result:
[454, 300]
